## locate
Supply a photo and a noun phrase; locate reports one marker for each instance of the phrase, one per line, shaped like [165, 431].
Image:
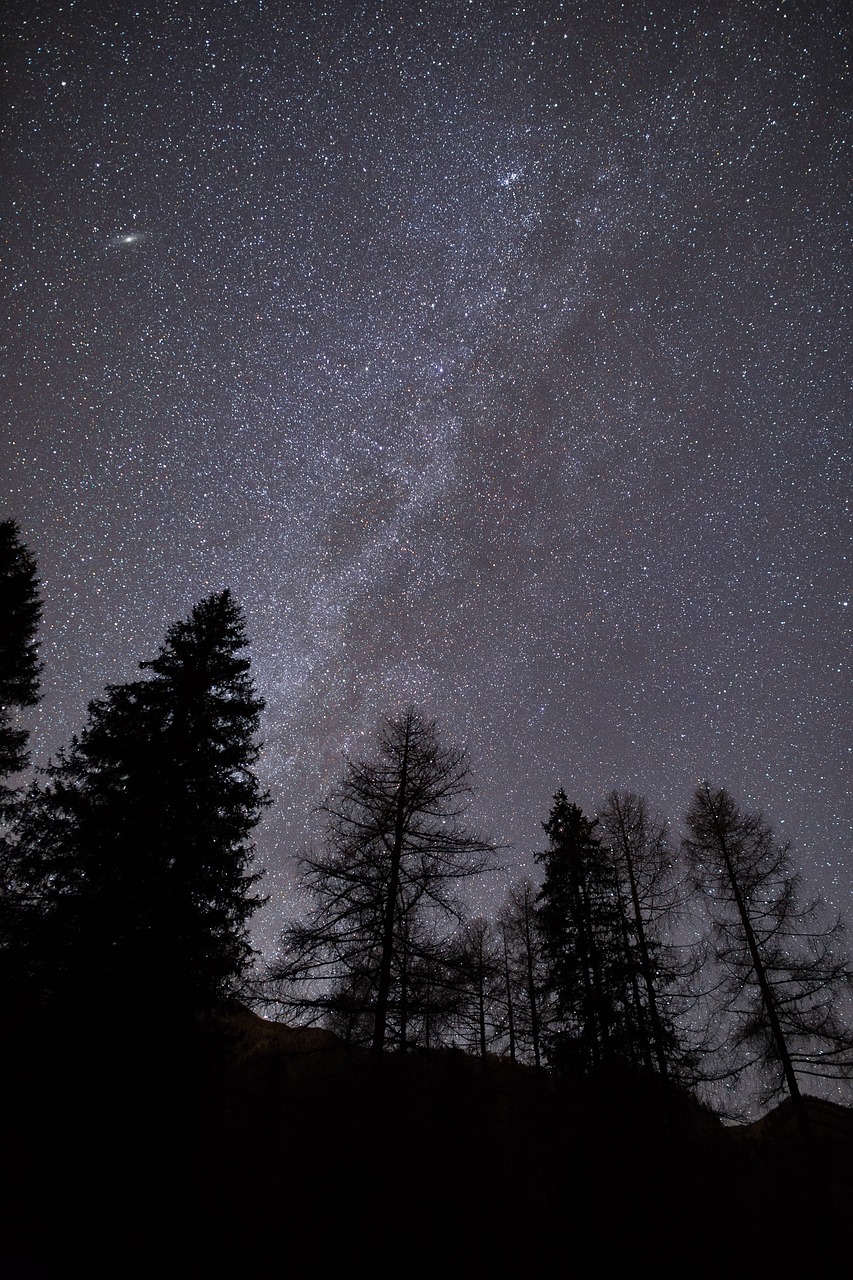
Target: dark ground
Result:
[251, 1149]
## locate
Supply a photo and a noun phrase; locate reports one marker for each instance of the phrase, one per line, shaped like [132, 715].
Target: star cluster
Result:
[496, 356]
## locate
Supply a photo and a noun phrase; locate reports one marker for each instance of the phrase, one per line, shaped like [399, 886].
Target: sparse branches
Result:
[784, 975]
[524, 972]
[384, 886]
[481, 1018]
[649, 892]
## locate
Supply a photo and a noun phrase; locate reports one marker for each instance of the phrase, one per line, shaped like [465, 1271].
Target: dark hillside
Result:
[248, 1145]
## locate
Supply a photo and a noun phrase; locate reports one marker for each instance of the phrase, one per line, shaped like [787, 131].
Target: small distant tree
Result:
[523, 972]
[135, 853]
[20, 612]
[481, 1017]
[785, 974]
[383, 888]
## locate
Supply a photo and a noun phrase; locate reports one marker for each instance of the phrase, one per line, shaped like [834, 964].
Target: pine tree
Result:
[371, 954]
[20, 611]
[583, 929]
[136, 852]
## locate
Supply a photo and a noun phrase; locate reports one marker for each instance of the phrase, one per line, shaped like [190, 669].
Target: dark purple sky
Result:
[498, 360]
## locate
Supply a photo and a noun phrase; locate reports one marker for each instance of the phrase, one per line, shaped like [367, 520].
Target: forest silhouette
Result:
[404, 1079]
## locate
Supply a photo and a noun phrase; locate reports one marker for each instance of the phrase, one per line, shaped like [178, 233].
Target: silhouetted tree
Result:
[136, 852]
[785, 975]
[384, 889]
[592, 1020]
[20, 611]
[649, 893]
[483, 1014]
[523, 970]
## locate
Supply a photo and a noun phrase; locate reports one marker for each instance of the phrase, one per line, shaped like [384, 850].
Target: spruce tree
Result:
[136, 852]
[20, 611]
[591, 1019]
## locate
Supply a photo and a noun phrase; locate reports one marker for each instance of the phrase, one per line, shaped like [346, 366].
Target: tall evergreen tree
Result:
[20, 611]
[136, 852]
[583, 928]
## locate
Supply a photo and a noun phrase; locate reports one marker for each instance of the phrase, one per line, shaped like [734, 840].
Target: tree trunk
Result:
[384, 985]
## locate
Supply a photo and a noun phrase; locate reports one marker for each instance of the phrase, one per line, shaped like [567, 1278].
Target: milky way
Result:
[497, 357]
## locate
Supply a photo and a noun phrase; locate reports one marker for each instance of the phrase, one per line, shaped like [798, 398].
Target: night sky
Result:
[496, 356]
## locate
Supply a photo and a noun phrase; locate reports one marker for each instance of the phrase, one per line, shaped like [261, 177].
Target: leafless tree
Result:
[660, 969]
[523, 971]
[785, 975]
[384, 890]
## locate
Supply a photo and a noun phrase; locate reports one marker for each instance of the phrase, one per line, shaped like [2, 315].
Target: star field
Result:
[496, 356]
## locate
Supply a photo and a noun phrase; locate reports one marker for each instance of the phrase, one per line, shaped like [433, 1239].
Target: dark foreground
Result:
[247, 1149]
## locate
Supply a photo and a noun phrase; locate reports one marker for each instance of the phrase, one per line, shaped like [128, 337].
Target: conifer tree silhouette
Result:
[136, 850]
